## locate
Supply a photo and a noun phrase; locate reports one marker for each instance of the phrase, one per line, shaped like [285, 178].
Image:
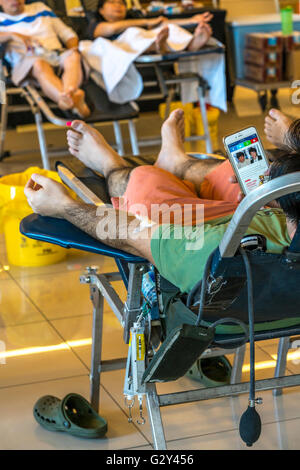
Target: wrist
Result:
[67, 206]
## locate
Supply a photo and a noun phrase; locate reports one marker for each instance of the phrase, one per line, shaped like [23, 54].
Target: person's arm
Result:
[200, 18]
[107, 29]
[72, 43]
[113, 227]
[26, 40]
[66, 34]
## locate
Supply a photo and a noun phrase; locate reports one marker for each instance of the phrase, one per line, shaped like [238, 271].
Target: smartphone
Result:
[247, 157]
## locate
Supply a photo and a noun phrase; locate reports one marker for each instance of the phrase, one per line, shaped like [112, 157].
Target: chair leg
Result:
[202, 103]
[4, 113]
[119, 138]
[283, 348]
[154, 415]
[97, 300]
[132, 305]
[133, 138]
[237, 368]
[42, 140]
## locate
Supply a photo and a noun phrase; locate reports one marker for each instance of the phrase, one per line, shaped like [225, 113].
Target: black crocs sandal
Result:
[73, 415]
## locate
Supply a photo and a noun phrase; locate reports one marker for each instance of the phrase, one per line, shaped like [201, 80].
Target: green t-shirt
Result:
[180, 256]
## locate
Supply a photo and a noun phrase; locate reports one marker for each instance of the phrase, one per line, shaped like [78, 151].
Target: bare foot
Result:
[201, 35]
[161, 40]
[276, 128]
[79, 105]
[65, 101]
[90, 147]
[172, 154]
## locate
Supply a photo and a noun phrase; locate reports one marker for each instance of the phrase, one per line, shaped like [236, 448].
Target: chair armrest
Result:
[247, 209]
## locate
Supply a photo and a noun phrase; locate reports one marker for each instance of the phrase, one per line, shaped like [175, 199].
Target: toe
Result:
[269, 121]
[79, 126]
[275, 114]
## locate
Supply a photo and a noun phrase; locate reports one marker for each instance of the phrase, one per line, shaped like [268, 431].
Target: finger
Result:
[233, 179]
[28, 191]
[30, 184]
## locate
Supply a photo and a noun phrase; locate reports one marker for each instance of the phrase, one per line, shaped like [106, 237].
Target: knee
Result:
[40, 66]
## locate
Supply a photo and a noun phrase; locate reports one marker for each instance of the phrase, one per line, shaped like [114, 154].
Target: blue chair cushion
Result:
[63, 233]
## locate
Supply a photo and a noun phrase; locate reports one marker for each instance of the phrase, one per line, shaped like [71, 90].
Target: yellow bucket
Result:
[213, 115]
[22, 251]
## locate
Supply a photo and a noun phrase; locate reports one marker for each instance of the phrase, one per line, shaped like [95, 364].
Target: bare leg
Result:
[51, 85]
[276, 129]
[72, 79]
[90, 147]
[54, 88]
[172, 156]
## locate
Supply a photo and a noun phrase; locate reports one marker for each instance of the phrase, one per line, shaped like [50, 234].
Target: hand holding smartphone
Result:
[247, 157]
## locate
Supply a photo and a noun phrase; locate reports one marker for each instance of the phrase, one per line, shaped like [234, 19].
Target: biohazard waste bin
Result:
[22, 251]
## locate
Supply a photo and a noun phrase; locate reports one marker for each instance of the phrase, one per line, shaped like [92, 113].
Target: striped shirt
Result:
[39, 22]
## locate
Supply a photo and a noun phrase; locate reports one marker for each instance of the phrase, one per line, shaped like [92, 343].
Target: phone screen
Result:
[248, 159]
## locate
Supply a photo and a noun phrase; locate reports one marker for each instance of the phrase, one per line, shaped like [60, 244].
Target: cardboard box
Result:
[263, 58]
[292, 70]
[290, 42]
[264, 41]
[260, 74]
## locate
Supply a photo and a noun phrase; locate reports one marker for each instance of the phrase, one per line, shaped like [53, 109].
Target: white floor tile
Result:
[20, 431]
[35, 353]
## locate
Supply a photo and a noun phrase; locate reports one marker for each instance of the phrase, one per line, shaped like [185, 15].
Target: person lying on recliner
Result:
[41, 46]
[113, 18]
[157, 210]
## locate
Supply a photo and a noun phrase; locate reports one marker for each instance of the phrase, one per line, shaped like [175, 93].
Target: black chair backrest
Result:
[276, 281]
[89, 5]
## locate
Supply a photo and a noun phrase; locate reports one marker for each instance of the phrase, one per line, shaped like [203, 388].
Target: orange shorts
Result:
[153, 193]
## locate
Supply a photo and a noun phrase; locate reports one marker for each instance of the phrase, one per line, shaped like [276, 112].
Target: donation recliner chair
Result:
[245, 295]
[30, 98]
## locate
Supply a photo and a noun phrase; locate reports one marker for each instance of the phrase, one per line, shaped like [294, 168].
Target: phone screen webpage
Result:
[249, 161]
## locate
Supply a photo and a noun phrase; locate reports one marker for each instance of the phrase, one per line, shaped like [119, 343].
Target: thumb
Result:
[41, 180]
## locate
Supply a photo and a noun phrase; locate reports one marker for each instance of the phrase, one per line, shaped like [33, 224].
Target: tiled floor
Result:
[45, 327]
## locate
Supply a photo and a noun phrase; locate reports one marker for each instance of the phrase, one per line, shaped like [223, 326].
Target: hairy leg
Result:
[173, 158]
[90, 147]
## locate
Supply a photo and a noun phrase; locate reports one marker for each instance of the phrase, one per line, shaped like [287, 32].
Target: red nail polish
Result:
[69, 123]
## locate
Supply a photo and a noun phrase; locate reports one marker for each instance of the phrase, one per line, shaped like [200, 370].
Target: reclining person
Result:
[144, 198]
[113, 18]
[34, 37]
